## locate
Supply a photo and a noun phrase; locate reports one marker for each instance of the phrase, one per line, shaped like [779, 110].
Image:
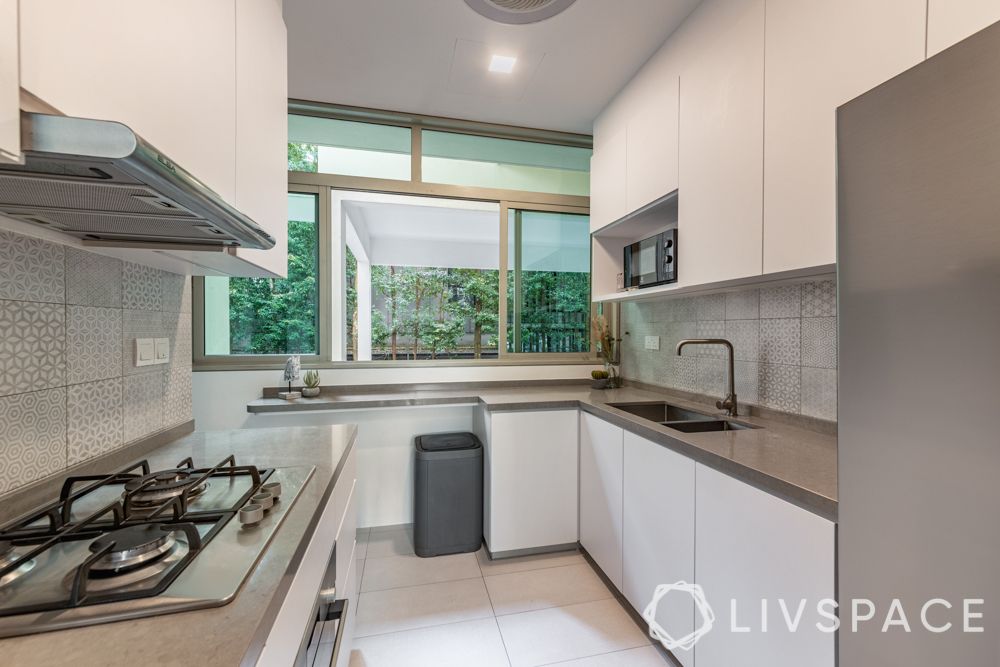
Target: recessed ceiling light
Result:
[502, 64]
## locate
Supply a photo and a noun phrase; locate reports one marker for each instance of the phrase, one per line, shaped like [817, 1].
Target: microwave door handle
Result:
[328, 595]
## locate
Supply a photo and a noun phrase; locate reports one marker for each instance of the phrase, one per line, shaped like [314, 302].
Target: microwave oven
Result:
[652, 261]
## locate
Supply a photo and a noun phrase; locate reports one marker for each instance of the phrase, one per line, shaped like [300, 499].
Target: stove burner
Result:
[158, 487]
[132, 547]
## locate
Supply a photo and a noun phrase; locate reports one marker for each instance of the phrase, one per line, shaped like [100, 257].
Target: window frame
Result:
[322, 185]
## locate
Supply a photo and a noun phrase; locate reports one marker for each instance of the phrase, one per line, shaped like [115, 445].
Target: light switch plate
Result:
[652, 342]
[162, 347]
[145, 352]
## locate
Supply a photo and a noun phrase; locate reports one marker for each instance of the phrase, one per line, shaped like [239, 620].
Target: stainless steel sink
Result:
[705, 426]
[661, 411]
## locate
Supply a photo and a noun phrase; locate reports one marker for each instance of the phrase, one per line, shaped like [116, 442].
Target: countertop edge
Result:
[259, 638]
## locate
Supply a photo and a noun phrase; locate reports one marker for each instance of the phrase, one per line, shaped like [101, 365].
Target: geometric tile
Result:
[92, 279]
[177, 408]
[176, 293]
[780, 341]
[743, 305]
[780, 301]
[32, 339]
[141, 287]
[32, 436]
[143, 400]
[780, 387]
[139, 324]
[711, 329]
[747, 382]
[177, 327]
[819, 299]
[31, 269]
[94, 419]
[819, 393]
[711, 307]
[712, 377]
[93, 343]
[745, 337]
[683, 372]
[819, 342]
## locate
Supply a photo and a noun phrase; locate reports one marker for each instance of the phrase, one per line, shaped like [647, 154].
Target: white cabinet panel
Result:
[751, 546]
[658, 533]
[166, 69]
[721, 141]
[532, 483]
[651, 153]
[601, 494]
[10, 112]
[608, 178]
[951, 21]
[809, 73]
[262, 127]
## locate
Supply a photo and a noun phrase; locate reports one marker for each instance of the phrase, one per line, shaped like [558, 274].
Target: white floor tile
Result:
[567, 633]
[524, 563]
[633, 657]
[361, 543]
[394, 541]
[399, 571]
[540, 589]
[456, 645]
[399, 609]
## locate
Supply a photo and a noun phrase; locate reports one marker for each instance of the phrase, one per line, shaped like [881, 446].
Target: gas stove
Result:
[139, 542]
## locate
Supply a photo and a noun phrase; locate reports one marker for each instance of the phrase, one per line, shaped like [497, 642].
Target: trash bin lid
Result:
[438, 442]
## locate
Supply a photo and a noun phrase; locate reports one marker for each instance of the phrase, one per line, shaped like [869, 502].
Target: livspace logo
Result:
[936, 615]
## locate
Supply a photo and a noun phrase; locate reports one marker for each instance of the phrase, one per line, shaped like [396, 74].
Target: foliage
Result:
[554, 308]
[311, 378]
[303, 157]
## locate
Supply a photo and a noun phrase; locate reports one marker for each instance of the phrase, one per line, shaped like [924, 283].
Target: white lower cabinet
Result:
[751, 547]
[531, 488]
[658, 533]
[601, 494]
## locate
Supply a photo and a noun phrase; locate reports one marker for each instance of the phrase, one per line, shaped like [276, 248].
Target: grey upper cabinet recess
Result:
[203, 82]
[10, 122]
[754, 158]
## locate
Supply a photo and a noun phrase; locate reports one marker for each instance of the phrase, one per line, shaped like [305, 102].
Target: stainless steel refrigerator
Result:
[919, 394]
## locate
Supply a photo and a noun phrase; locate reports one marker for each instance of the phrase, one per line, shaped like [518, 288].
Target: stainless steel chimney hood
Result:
[100, 182]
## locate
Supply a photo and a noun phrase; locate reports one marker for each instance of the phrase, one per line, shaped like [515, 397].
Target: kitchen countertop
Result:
[222, 635]
[794, 463]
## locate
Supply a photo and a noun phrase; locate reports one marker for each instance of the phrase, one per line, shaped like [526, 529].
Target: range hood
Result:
[100, 182]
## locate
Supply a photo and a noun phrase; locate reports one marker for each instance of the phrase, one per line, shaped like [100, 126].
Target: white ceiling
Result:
[430, 57]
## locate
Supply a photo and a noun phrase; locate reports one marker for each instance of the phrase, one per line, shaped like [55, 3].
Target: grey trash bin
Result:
[448, 494]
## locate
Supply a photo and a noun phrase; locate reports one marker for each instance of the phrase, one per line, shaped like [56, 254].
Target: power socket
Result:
[652, 342]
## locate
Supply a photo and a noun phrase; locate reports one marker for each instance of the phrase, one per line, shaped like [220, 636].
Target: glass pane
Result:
[421, 276]
[465, 159]
[349, 148]
[548, 282]
[270, 315]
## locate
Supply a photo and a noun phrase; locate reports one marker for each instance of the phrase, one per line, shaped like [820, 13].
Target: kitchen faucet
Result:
[729, 402]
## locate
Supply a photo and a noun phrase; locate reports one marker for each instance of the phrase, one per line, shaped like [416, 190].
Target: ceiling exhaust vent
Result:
[519, 11]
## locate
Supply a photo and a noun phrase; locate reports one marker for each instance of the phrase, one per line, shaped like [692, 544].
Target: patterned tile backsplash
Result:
[68, 389]
[785, 339]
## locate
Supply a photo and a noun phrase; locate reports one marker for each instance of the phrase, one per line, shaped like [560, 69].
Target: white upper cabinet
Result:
[165, 69]
[721, 141]
[951, 21]
[608, 200]
[601, 494]
[10, 112]
[818, 55]
[262, 127]
[651, 155]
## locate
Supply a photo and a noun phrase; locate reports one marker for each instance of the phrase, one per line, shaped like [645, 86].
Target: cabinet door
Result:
[721, 141]
[658, 533]
[809, 73]
[751, 546]
[165, 69]
[607, 178]
[601, 494]
[651, 153]
[10, 109]
[532, 482]
[951, 21]
[262, 127]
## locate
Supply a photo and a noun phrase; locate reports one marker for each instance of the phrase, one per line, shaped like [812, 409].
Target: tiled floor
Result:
[467, 611]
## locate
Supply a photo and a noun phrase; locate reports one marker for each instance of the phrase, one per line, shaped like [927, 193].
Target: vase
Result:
[310, 392]
[600, 384]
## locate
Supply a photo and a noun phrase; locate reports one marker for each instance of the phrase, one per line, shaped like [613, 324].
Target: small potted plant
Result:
[600, 379]
[607, 346]
[311, 379]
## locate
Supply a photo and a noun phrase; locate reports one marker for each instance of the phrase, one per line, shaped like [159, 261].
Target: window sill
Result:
[266, 365]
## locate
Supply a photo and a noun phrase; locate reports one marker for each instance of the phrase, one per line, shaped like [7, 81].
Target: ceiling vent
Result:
[518, 11]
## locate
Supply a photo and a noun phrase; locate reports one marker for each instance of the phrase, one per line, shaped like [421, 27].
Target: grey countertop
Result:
[794, 463]
[219, 636]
